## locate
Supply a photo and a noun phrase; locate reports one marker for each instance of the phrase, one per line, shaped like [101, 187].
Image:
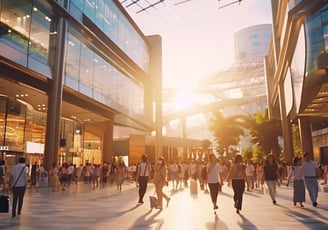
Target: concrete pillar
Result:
[286, 126]
[155, 87]
[184, 139]
[306, 134]
[55, 93]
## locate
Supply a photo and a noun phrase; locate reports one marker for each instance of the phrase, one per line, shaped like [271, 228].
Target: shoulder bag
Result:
[19, 176]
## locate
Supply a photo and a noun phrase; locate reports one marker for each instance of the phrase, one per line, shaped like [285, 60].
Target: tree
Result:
[206, 145]
[255, 153]
[226, 131]
[264, 132]
[297, 147]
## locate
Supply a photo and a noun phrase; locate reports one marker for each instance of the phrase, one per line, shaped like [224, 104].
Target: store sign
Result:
[32, 147]
[4, 148]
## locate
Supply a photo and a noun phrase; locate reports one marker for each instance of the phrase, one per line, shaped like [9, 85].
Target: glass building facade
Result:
[73, 55]
[299, 66]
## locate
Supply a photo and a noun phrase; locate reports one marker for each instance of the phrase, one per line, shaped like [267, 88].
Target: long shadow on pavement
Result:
[147, 221]
[307, 220]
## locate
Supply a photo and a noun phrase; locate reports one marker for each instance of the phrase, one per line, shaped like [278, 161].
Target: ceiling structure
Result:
[142, 6]
[238, 89]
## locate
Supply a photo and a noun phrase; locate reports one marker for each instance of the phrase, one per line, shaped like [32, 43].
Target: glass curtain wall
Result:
[316, 30]
[90, 74]
[108, 17]
[27, 28]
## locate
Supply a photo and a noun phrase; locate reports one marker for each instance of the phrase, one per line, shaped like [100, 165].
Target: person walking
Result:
[237, 177]
[310, 168]
[259, 175]
[19, 179]
[250, 175]
[214, 178]
[298, 181]
[271, 176]
[160, 179]
[34, 175]
[54, 177]
[143, 172]
[121, 174]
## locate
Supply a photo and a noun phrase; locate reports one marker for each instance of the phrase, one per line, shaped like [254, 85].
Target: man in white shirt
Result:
[309, 168]
[19, 179]
[70, 171]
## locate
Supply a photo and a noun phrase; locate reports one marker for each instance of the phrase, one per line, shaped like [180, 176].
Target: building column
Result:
[155, 90]
[286, 126]
[108, 142]
[305, 134]
[184, 139]
[55, 93]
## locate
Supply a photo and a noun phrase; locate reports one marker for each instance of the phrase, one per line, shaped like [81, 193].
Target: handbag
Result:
[153, 201]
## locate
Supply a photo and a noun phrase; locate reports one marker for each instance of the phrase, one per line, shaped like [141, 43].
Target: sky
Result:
[197, 35]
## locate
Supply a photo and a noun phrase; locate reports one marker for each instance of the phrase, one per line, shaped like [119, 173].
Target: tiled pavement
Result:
[81, 207]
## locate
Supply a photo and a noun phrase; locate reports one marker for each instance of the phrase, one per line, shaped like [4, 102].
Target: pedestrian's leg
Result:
[15, 199]
[271, 192]
[235, 197]
[315, 189]
[21, 194]
[214, 190]
[159, 194]
[241, 189]
[309, 188]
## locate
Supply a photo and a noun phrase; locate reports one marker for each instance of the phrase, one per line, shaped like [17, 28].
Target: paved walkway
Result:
[81, 207]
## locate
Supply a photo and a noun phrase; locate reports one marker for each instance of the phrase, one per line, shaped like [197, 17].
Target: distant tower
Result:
[252, 43]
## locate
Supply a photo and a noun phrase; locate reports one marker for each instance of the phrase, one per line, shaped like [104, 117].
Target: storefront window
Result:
[12, 124]
[3, 106]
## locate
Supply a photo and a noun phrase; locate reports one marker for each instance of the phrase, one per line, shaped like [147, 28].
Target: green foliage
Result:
[296, 141]
[264, 132]
[226, 130]
[255, 153]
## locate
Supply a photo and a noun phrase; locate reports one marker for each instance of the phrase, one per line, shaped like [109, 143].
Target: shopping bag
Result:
[153, 201]
[193, 187]
[4, 203]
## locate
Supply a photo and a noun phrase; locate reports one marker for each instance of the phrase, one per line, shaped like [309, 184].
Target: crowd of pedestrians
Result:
[210, 174]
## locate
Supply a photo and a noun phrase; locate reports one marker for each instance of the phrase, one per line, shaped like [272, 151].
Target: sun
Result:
[183, 99]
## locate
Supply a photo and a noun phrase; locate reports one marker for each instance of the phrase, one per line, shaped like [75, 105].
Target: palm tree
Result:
[264, 132]
[206, 145]
[296, 141]
[226, 130]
